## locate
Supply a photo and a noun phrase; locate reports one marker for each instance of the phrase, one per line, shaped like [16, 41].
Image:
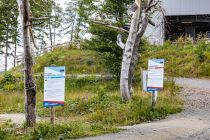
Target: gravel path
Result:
[191, 124]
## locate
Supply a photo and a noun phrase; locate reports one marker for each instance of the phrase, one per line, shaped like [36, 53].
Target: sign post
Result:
[155, 78]
[144, 80]
[52, 115]
[54, 89]
[154, 98]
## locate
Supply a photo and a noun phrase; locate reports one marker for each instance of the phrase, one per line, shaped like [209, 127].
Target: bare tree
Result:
[30, 87]
[140, 19]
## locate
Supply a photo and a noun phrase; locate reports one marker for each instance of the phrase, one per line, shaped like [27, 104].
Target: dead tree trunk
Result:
[72, 31]
[30, 87]
[130, 53]
[15, 53]
[51, 39]
[125, 86]
[6, 49]
[50, 28]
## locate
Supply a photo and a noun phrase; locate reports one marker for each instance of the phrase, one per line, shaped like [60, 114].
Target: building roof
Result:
[186, 7]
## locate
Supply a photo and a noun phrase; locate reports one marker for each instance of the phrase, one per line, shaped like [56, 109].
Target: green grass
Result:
[58, 131]
[93, 105]
[77, 61]
[185, 60]
[91, 112]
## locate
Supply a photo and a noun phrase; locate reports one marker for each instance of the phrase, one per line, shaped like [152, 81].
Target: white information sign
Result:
[54, 86]
[155, 75]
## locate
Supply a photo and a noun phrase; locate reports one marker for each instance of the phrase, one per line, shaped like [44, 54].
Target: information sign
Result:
[54, 86]
[155, 75]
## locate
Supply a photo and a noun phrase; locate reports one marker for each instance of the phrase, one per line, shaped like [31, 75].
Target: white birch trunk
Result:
[125, 81]
[130, 54]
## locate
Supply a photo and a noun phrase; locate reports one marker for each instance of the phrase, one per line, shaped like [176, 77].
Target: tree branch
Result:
[143, 27]
[41, 18]
[119, 41]
[35, 24]
[111, 26]
[151, 22]
[32, 38]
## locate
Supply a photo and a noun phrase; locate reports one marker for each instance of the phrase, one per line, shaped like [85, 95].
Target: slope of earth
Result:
[77, 61]
[191, 124]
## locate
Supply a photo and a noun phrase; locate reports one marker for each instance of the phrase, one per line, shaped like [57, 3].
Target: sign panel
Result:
[54, 86]
[155, 75]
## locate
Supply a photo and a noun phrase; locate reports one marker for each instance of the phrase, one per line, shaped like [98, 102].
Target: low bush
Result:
[56, 132]
[11, 82]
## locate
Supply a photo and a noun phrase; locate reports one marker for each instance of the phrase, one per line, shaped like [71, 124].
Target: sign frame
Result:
[54, 86]
[155, 81]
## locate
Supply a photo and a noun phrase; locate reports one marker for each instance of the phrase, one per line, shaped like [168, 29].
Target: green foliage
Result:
[58, 131]
[7, 82]
[67, 131]
[76, 61]
[105, 45]
[11, 82]
[11, 102]
[8, 24]
[186, 60]
[105, 38]
[92, 107]
[110, 108]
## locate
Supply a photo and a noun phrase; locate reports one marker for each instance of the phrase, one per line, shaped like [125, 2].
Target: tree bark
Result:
[30, 87]
[125, 80]
[15, 53]
[6, 49]
[135, 55]
[72, 31]
[50, 28]
[130, 54]
[51, 39]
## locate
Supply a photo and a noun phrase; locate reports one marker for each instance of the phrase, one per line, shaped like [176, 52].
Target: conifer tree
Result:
[8, 27]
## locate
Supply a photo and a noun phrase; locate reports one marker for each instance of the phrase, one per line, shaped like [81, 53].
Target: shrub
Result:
[9, 87]
[67, 131]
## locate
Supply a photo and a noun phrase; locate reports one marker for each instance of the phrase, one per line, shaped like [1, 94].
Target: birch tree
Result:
[30, 88]
[142, 11]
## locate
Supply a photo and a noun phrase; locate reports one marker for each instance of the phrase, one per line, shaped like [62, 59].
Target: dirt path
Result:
[192, 124]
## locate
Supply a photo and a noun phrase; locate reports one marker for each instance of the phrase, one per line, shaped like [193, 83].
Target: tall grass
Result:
[93, 111]
[184, 59]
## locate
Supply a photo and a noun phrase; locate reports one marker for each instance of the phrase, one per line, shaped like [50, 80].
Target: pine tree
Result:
[111, 12]
[41, 17]
[8, 27]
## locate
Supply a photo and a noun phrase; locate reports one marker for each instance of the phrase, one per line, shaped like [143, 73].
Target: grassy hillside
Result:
[182, 59]
[92, 104]
[77, 61]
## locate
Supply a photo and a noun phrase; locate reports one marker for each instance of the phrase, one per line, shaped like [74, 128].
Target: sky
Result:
[59, 40]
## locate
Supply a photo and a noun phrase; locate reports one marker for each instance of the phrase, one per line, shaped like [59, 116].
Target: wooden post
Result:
[154, 98]
[52, 115]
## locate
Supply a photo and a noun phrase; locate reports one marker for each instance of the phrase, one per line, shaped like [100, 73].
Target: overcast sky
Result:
[59, 40]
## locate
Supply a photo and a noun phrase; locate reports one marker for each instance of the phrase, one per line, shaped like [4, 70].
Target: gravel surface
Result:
[191, 124]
